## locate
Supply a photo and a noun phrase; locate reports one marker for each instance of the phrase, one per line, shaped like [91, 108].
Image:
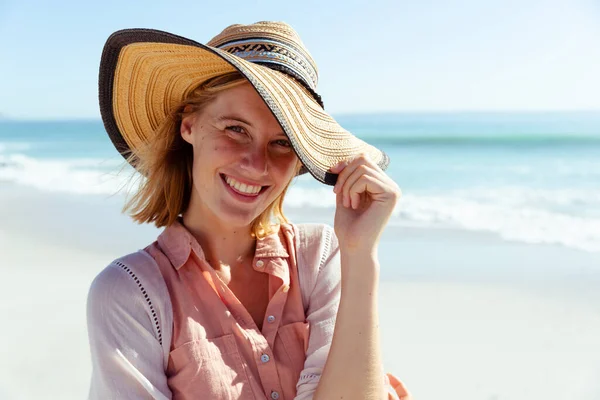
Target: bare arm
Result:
[366, 197]
[353, 367]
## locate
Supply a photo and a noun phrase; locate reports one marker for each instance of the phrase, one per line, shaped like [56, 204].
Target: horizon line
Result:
[8, 118]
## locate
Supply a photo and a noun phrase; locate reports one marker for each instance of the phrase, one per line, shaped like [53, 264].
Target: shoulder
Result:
[316, 247]
[131, 292]
[315, 238]
[129, 280]
[313, 232]
[134, 267]
[319, 268]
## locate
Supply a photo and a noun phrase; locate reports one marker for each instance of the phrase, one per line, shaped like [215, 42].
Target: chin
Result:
[238, 219]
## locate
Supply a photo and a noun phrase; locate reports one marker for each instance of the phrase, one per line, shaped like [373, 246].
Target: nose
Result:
[255, 162]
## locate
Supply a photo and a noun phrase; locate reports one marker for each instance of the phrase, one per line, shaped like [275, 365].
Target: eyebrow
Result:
[232, 117]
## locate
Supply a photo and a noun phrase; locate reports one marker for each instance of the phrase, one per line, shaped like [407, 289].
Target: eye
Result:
[283, 143]
[235, 128]
[237, 133]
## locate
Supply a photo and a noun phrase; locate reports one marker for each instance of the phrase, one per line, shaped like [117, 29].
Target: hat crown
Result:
[275, 44]
[262, 27]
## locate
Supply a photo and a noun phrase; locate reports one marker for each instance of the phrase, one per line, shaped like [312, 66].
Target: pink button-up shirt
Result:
[162, 325]
[216, 348]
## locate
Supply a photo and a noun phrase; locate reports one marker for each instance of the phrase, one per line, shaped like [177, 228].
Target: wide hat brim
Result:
[145, 73]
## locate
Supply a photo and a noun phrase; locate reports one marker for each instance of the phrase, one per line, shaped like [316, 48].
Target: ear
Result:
[186, 128]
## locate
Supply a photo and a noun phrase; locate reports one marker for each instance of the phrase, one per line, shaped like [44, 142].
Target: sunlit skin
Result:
[236, 135]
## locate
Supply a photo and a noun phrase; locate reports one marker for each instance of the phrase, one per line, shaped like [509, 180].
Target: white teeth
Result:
[242, 187]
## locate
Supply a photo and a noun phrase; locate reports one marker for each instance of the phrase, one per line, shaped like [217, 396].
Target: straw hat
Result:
[144, 73]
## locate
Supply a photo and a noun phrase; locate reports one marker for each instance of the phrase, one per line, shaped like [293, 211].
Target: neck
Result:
[222, 245]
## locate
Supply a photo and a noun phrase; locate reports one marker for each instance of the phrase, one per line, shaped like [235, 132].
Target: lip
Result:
[240, 180]
[241, 196]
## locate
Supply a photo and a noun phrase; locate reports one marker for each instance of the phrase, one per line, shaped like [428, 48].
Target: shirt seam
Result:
[324, 254]
[308, 376]
[133, 276]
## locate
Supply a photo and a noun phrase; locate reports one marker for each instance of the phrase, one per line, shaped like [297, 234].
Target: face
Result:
[242, 159]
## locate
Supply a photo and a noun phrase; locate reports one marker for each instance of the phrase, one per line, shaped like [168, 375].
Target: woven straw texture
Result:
[145, 73]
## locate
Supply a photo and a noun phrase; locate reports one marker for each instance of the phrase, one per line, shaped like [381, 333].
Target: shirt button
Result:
[260, 263]
[264, 358]
[270, 318]
[274, 395]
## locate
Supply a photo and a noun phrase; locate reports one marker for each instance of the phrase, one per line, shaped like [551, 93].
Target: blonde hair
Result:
[166, 162]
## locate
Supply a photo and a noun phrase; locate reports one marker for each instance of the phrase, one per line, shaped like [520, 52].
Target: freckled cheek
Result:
[213, 151]
[225, 148]
[285, 167]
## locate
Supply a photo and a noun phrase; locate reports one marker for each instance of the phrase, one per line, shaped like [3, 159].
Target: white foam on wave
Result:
[315, 197]
[573, 201]
[525, 224]
[563, 168]
[6, 147]
[569, 217]
[77, 176]
[566, 217]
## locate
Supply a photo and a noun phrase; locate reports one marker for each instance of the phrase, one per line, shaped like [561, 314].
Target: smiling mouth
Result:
[241, 188]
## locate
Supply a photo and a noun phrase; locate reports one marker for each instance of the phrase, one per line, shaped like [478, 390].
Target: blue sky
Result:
[377, 56]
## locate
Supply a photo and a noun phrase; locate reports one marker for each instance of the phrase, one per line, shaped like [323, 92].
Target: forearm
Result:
[353, 367]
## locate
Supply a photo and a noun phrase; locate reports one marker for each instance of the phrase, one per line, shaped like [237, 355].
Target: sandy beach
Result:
[464, 316]
[487, 117]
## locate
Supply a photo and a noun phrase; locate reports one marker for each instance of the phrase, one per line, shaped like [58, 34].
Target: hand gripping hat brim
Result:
[145, 73]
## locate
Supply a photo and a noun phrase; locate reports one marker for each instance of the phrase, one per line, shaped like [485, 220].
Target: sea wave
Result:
[522, 221]
[565, 216]
[568, 217]
[512, 141]
[77, 176]
[10, 147]
[557, 168]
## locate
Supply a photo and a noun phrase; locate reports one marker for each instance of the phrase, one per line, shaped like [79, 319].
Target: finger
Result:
[339, 199]
[348, 167]
[399, 387]
[336, 168]
[382, 184]
[355, 200]
[365, 184]
[354, 177]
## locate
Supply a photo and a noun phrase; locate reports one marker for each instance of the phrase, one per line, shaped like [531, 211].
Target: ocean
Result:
[527, 177]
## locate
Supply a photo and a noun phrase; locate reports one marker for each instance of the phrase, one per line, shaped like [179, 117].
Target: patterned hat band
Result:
[278, 56]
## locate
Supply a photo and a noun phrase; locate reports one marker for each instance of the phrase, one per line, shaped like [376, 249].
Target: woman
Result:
[232, 301]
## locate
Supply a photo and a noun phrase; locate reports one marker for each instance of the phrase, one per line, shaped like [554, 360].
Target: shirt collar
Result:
[177, 243]
[271, 246]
